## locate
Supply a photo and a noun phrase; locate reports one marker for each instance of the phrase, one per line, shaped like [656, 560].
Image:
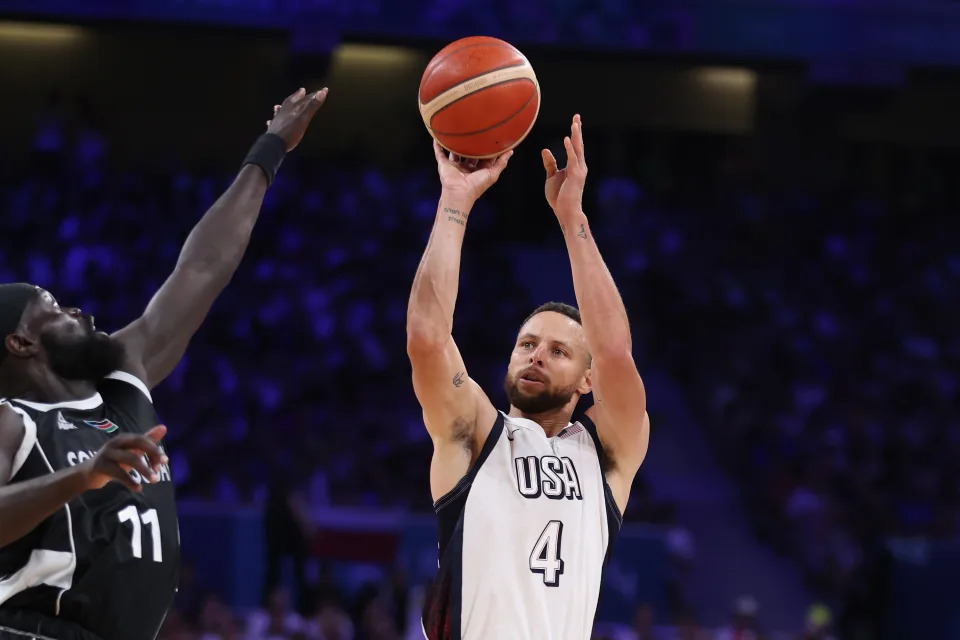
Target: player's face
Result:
[550, 363]
[74, 349]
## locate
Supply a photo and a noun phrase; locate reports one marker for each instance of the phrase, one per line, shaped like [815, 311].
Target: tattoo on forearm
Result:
[458, 380]
[455, 215]
[582, 233]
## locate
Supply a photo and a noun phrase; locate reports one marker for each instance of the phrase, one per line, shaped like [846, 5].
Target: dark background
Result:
[772, 186]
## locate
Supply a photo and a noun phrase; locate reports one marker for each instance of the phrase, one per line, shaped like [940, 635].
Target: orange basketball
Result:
[479, 97]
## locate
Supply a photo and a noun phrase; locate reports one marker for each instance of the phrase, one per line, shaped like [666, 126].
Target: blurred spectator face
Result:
[214, 615]
[549, 364]
[174, 627]
[333, 622]
[818, 622]
[688, 629]
[279, 603]
[745, 613]
[643, 620]
[230, 628]
[378, 623]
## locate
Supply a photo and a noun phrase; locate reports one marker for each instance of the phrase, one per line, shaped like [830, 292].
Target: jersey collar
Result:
[86, 404]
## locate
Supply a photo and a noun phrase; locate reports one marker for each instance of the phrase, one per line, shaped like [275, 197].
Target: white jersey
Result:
[524, 538]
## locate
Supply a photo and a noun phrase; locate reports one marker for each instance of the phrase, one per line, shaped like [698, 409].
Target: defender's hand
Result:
[121, 454]
[290, 119]
[467, 177]
[564, 187]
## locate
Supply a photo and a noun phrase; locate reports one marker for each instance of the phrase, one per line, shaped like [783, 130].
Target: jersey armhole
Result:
[26, 445]
[131, 379]
[612, 508]
[465, 482]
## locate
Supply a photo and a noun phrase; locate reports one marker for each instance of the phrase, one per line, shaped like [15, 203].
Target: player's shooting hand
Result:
[466, 177]
[125, 452]
[564, 187]
[290, 119]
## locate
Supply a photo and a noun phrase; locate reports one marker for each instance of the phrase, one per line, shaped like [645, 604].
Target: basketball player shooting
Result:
[528, 503]
[89, 541]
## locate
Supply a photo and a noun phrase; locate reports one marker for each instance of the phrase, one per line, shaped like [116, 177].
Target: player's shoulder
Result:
[9, 417]
[12, 432]
[126, 384]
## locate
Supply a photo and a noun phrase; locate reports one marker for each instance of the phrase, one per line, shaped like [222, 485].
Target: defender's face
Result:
[44, 317]
[72, 346]
[549, 363]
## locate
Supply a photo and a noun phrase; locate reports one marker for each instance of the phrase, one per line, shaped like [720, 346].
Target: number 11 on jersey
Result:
[149, 517]
[545, 557]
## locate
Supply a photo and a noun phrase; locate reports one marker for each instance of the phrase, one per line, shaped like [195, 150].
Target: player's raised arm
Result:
[453, 404]
[156, 341]
[620, 401]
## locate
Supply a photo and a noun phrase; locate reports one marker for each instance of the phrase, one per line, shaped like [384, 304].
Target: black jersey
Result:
[108, 561]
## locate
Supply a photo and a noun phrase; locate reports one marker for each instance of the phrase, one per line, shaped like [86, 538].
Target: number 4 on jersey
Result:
[545, 557]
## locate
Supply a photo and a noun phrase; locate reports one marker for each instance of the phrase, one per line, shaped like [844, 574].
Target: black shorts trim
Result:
[442, 607]
[21, 624]
[9, 634]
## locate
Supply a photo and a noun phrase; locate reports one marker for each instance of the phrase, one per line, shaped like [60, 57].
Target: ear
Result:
[586, 383]
[20, 346]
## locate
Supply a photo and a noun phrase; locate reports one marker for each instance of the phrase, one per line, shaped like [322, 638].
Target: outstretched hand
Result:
[124, 453]
[290, 119]
[467, 177]
[564, 187]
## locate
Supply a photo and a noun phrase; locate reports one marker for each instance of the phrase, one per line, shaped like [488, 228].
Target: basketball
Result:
[479, 97]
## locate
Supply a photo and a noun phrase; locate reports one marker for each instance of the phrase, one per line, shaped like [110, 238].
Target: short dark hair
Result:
[564, 309]
[558, 307]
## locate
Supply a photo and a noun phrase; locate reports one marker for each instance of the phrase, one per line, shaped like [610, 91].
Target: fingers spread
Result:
[577, 134]
[119, 462]
[467, 163]
[571, 154]
[317, 100]
[124, 478]
[157, 433]
[293, 97]
[142, 445]
[502, 160]
[439, 152]
[549, 162]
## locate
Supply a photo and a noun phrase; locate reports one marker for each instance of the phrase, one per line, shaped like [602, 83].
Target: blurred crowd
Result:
[389, 611]
[813, 331]
[817, 339]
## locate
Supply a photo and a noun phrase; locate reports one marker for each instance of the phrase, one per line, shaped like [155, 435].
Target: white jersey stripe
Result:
[28, 442]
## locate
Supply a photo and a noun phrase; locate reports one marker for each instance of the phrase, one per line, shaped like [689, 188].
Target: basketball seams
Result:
[472, 78]
[533, 94]
[466, 56]
[448, 96]
[487, 42]
[520, 139]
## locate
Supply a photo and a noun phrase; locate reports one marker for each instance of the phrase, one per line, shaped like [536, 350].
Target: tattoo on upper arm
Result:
[582, 233]
[455, 215]
[458, 380]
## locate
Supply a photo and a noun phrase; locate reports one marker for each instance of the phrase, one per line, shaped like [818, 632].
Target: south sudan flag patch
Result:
[103, 425]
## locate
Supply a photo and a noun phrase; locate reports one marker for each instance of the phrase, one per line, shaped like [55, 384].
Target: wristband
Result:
[267, 153]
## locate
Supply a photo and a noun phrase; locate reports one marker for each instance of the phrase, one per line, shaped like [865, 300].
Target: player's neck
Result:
[552, 422]
[45, 387]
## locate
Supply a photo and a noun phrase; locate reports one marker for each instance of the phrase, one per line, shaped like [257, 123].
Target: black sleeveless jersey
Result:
[107, 561]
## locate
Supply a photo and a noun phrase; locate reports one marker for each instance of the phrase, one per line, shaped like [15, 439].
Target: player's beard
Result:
[547, 399]
[91, 357]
